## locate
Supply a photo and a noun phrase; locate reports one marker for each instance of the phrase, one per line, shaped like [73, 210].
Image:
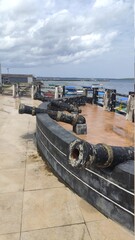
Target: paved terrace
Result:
[105, 127]
[34, 204]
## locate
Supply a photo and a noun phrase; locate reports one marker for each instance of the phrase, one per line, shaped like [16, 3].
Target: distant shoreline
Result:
[81, 79]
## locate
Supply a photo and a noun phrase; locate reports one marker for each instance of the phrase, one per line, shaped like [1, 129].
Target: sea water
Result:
[123, 86]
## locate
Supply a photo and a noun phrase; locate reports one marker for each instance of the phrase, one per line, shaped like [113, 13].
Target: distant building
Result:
[17, 78]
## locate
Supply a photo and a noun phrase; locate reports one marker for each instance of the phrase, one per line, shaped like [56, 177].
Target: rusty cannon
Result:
[72, 119]
[63, 106]
[83, 154]
[40, 96]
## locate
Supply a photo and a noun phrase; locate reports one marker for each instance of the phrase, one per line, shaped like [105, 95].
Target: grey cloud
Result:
[50, 32]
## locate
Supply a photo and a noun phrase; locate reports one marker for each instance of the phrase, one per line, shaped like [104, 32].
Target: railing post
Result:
[85, 92]
[95, 94]
[0, 80]
[32, 91]
[14, 90]
[1, 90]
[105, 100]
[17, 90]
[109, 100]
[130, 107]
[113, 100]
[60, 91]
[38, 88]
[63, 91]
[56, 92]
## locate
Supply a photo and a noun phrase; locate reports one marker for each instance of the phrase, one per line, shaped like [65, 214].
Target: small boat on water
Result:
[93, 157]
[72, 90]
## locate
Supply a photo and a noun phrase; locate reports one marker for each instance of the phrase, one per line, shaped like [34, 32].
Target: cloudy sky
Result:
[67, 38]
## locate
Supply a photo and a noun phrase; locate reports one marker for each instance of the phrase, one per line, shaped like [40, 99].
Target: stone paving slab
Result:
[50, 208]
[108, 230]
[11, 144]
[14, 236]
[73, 232]
[39, 175]
[89, 213]
[10, 160]
[11, 180]
[10, 212]
[34, 204]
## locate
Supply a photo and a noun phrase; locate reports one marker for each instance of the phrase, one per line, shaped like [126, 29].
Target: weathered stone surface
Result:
[80, 129]
[50, 208]
[74, 232]
[10, 212]
[12, 236]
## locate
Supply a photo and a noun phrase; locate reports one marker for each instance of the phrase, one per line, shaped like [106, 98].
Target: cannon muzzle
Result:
[84, 154]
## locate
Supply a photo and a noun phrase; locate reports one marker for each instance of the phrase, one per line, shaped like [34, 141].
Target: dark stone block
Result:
[124, 174]
[80, 128]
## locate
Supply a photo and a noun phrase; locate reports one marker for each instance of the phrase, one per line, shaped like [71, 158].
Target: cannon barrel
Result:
[39, 96]
[56, 115]
[84, 154]
[30, 110]
[63, 106]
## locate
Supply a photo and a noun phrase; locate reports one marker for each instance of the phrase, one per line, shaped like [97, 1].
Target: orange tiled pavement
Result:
[105, 127]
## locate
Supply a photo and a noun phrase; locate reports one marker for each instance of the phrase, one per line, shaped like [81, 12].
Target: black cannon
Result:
[84, 154]
[76, 100]
[63, 106]
[40, 96]
[73, 119]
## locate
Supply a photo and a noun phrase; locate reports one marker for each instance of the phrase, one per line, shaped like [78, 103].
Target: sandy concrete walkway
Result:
[34, 204]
